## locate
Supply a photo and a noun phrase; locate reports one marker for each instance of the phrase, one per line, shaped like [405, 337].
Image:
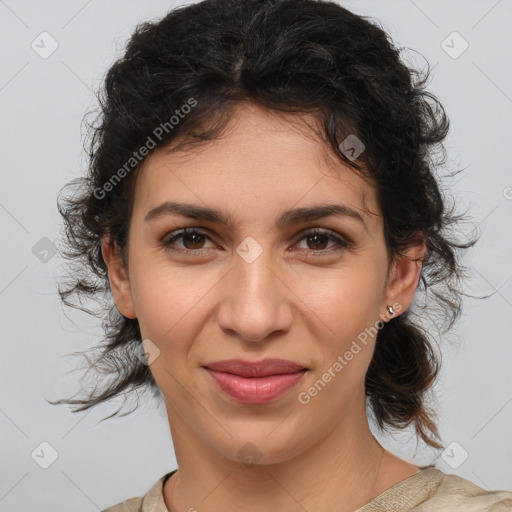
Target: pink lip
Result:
[255, 383]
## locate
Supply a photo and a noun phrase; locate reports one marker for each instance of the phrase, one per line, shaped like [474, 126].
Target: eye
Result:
[317, 239]
[191, 238]
[193, 241]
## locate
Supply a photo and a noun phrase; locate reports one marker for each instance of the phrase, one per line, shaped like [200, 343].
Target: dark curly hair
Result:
[294, 57]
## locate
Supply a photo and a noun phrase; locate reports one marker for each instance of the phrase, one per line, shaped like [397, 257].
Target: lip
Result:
[262, 368]
[255, 383]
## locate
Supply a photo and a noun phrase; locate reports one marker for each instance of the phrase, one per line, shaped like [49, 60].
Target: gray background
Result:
[42, 101]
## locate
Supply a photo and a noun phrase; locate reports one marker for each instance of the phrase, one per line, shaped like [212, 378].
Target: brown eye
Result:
[191, 240]
[317, 241]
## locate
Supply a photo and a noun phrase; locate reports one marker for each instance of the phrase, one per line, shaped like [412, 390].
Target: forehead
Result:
[261, 160]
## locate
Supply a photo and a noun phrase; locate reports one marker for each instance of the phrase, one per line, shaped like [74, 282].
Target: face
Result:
[262, 285]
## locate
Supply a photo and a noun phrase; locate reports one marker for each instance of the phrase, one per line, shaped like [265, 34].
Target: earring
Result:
[391, 311]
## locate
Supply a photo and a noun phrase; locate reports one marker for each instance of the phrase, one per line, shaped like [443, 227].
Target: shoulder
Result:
[152, 501]
[456, 493]
[432, 490]
[131, 505]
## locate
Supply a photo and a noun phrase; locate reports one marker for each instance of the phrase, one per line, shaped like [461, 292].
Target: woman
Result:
[261, 205]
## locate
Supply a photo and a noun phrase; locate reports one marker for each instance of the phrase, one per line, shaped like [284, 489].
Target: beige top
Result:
[430, 490]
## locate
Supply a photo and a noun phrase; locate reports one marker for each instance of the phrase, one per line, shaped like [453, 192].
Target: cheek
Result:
[169, 305]
[346, 314]
[168, 299]
[345, 300]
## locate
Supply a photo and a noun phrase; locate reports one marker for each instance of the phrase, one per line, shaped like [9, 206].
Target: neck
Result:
[341, 473]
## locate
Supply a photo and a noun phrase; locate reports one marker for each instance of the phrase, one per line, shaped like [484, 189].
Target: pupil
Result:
[316, 237]
[191, 236]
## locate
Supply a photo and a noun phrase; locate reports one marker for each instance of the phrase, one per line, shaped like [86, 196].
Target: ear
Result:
[118, 277]
[403, 280]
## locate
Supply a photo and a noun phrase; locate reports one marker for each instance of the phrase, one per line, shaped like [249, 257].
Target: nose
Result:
[255, 301]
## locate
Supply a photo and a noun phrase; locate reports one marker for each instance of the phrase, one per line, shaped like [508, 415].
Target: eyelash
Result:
[342, 244]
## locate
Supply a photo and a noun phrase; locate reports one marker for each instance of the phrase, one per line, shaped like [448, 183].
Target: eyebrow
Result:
[287, 218]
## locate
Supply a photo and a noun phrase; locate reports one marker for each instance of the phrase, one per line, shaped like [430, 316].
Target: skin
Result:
[292, 302]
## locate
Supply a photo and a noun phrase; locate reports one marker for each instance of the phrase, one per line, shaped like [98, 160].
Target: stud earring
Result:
[391, 311]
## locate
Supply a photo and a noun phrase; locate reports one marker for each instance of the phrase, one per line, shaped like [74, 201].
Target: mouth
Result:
[255, 383]
[263, 368]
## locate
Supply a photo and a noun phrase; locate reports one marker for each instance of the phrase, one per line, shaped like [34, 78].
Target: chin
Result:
[256, 445]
